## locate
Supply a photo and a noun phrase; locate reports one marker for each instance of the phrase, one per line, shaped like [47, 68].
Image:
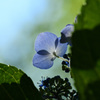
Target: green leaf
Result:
[16, 85]
[90, 15]
[86, 52]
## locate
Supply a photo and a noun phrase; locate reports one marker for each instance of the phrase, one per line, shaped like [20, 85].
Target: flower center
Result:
[54, 53]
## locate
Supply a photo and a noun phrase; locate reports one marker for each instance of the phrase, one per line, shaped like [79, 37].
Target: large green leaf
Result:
[16, 85]
[86, 52]
[90, 15]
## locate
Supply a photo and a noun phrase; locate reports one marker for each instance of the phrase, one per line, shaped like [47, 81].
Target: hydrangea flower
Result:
[56, 88]
[48, 47]
[66, 34]
[44, 83]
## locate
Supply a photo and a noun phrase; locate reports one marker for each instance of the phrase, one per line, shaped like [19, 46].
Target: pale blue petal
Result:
[61, 48]
[68, 30]
[43, 61]
[66, 33]
[45, 41]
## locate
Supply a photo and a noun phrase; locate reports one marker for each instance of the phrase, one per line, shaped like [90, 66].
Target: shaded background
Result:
[20, 23]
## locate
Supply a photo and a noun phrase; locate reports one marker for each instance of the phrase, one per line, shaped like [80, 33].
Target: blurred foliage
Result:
[86, 52]
[16, 85]
[58, 15]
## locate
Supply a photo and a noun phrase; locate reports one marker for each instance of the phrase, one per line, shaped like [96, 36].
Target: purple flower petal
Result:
[43, 61]
[45, 41]
[61, 48]
[66, 33]
[67, 30]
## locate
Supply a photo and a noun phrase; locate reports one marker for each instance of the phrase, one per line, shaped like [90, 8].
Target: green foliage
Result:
[89, 17]
[16, 85]
[86, 52]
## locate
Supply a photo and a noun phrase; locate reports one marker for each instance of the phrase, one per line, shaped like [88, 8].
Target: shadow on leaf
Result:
[92, 91]
[86, 48]
[23, 91]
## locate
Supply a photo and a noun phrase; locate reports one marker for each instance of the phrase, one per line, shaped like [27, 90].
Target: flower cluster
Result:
[57, 88]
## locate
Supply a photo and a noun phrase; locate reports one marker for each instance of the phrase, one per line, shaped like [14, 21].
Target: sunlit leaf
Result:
[16, 85]
[90, 15]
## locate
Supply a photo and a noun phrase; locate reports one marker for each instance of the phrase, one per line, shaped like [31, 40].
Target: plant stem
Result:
[60, 57]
